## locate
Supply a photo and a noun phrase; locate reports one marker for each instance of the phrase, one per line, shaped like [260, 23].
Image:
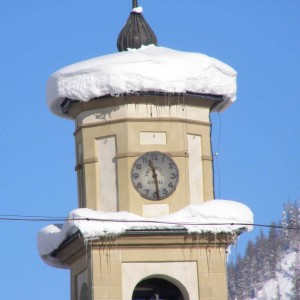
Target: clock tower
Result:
[148, 153]
[144, 166]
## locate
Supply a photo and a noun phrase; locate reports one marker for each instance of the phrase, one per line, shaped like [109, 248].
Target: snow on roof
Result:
[214, 216]
[148, 69]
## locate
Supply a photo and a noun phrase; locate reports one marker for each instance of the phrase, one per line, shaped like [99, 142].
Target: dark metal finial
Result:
[136, 31]
[134, 3]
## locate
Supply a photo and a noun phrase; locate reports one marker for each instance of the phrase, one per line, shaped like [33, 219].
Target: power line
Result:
[23, 218]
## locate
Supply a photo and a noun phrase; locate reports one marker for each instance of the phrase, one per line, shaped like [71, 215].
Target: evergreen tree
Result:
[296, 281]
[274, 250]
[290, 219]
[296, 245]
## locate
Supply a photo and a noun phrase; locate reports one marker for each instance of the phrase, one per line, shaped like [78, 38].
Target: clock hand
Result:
[154, 175]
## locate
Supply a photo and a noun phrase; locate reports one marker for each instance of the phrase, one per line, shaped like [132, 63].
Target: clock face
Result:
[155, 175]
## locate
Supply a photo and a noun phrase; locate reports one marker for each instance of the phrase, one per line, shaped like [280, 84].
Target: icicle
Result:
[215, 239]
[208, 261]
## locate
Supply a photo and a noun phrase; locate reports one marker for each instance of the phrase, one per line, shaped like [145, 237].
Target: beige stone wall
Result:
[78, 268]
[127, 131]
[112, 268]
[107, 274]
[118, 268]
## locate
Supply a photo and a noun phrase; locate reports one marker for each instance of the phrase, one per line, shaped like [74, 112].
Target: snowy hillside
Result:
[270, 268]
[281, 287]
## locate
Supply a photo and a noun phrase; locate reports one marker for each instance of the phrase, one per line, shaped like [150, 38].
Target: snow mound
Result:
[212, 216]
[148, 69]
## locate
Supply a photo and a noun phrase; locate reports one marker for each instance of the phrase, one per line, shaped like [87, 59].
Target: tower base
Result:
[154, 264]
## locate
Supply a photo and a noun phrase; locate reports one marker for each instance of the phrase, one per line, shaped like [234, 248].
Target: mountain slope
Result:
[270, 268]
[282, 286]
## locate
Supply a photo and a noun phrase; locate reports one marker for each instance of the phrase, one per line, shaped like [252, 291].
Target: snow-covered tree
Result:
[262, 261]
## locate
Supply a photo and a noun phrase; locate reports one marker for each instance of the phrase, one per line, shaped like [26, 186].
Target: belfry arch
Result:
[159, 287]
[180, 277]
[84, 292]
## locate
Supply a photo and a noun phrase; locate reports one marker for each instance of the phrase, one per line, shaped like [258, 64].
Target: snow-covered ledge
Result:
[148, 69]
[216, 216]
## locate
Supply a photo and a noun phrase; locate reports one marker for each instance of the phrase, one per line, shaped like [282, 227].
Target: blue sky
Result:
[259, 149]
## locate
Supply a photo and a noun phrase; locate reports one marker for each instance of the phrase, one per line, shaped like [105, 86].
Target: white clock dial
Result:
[155, 175]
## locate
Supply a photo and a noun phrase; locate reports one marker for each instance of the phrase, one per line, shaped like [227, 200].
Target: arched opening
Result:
[156, 289]
[84, 293]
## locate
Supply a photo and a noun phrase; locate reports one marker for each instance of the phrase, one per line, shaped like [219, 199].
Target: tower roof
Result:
[136, 31]
[148, 69]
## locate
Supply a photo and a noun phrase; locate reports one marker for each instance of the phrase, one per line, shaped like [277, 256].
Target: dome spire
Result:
[134, 3]
[136, 31]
